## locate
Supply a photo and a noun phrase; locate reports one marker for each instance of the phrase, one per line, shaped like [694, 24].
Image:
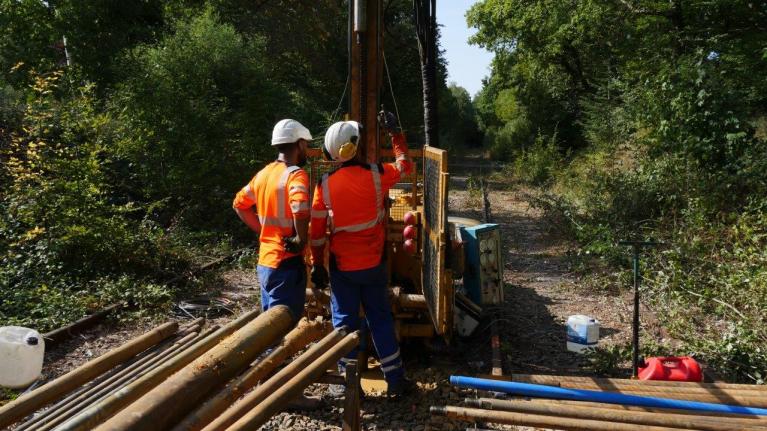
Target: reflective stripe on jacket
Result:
[350, 204]
[279, 193]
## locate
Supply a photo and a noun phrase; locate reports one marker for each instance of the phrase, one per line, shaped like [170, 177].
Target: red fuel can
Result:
[673, 368]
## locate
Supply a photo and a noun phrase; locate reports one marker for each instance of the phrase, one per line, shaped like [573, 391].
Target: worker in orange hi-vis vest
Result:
[350, 203]
[275, 204]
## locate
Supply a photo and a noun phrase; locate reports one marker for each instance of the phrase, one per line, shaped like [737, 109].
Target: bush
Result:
[66, 245]
[195, 113]
[538, 164]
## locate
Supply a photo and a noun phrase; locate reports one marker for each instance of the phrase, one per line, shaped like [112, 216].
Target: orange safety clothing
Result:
[350, 201]
[280, 193]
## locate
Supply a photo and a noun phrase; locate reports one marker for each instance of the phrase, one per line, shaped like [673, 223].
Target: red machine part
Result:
[672, 368]
[410, 218]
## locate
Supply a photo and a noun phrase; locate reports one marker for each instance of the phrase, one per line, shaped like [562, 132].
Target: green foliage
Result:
[663, 107]
[459, 127]
[64, 241]
[538, 164]
[206, 146]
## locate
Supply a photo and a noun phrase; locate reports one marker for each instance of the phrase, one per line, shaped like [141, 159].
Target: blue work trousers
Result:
[349, 289]
[285, 285]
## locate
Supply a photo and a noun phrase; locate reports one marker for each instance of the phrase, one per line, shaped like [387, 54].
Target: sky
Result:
[467, 64]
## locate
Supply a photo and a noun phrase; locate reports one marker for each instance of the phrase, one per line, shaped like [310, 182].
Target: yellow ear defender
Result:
[347, 150]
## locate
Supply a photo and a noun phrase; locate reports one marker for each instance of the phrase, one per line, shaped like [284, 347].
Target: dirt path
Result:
[541, 292]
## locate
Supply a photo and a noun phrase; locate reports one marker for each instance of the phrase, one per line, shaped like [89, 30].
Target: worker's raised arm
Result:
[245, 206]
[402, 164]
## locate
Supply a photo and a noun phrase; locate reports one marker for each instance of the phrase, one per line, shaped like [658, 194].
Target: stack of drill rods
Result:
[543, 421]
[277, 400]
[654, 418]
[745, 395]
[553, 392]
[286, 376]
[55, 389]
[71, 405]
[296, 340]
[608, 382]
[97, 412]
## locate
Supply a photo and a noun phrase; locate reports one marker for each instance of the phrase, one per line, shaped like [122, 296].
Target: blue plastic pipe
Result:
[553, 392]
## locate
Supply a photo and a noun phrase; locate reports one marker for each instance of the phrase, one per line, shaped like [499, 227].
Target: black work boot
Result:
[400, 388]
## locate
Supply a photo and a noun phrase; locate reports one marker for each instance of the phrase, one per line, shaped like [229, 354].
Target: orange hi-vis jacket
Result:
[279, 193]
[350, 202]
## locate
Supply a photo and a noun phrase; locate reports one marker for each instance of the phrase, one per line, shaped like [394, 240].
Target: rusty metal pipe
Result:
[57, 335]
[723, 393]
[44, 395]
[102, 381]
[193, 325]
[410, 300]
[424, 330]
[639, 418]
[606, 383]
[120, 379]
[542, 421]
[644, 409]
[241, 407]
[636, 386]
[165, 405]
[741, 400]
[295, 386]
[104, 409]
[304, 333]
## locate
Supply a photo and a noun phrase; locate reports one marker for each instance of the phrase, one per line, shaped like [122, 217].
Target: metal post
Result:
[636, 246]
[351, 420]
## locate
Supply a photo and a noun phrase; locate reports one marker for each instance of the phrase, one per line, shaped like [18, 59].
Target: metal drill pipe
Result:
[603, 382]
[166, 404]
[121, 379]
[306, 332]
[239, 408]
[646, 409]
[46, 412]
[76, 397]
[542, 421]
[277, 401]
[723, 393]
[752, 400]
[192, 326]
[639, 418]
[104, 409]
[542, 391]
[44, 395]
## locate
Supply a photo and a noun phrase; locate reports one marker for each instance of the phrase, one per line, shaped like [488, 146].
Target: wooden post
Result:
[352, 398]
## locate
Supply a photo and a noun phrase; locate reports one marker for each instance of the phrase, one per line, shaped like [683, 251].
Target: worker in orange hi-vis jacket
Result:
[275, 204]
[350, 203]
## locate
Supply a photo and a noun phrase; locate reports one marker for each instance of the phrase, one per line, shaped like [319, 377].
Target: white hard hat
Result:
[288, 131]
[341, 141]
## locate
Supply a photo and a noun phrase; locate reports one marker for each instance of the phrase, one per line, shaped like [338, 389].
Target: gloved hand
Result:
[292, 244]
[389, 122]
[319, 276]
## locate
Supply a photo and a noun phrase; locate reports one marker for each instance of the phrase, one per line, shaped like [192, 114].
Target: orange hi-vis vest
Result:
[350, 203]
[280, 193]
